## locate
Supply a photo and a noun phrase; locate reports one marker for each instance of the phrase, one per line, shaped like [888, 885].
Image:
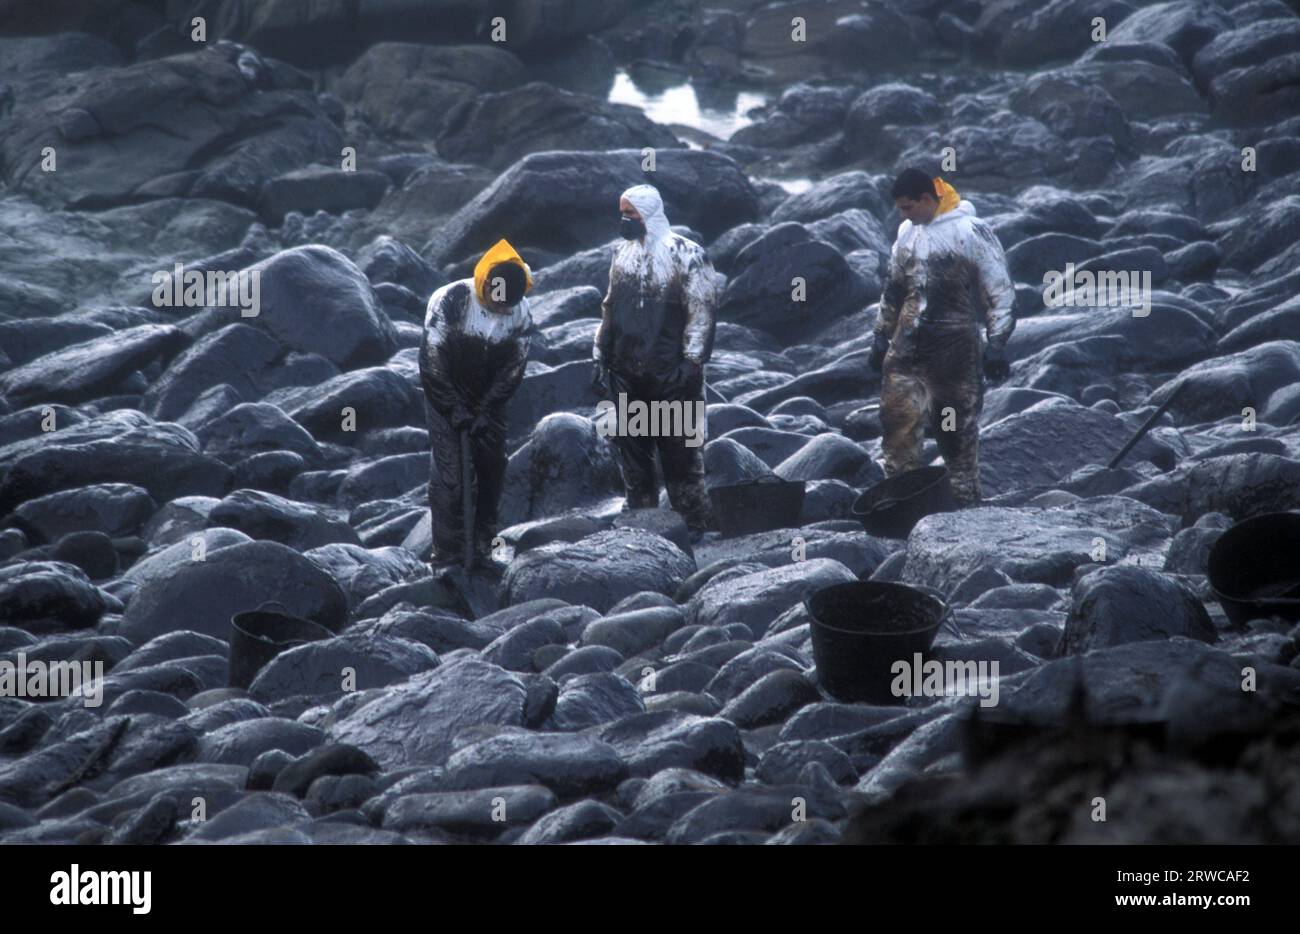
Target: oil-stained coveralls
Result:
[472, 360]
[946, 279]
[655, 336]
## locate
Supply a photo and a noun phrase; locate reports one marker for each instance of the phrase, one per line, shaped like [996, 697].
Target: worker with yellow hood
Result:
[472, 360]
[945, 315]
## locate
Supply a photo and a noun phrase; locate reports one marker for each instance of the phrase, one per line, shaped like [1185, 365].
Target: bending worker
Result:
[655, 336]
[945, 315]
[472, 360]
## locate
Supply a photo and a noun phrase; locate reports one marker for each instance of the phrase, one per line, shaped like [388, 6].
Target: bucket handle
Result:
[947, 621]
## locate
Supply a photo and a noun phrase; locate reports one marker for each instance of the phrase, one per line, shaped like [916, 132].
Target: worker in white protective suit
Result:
[655, 336]
[945, 315]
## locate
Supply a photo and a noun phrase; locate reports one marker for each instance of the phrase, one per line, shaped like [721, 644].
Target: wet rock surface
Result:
[168, 464]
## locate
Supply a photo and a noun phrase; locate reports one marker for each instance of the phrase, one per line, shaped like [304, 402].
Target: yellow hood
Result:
[501, 252]
[948, 197]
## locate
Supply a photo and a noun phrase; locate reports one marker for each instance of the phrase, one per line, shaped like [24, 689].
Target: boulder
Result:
[1245, 46]
[332, 667]
[388, 260]
[241, 743]
[580, 821]
[1273, 325]
[1247, 242]
[1222, 387]
[770, 445]
[1107, 676]
[414, 723]
[831, 456]
[1044, 444]
[1032, 545]
[495, 129]
[469, 813]
[92, 368]
[321, 188]
[634, 631]
[562, 201]
[651, 742]
[1238, 485]
[238, 357]
[342, 408]
[263, 515]
[1167, 336]
[727, 462]
[563, 305]
[1183, 25]
[759, 293]
[1072, 106]
[599, 570]
[758, 598]
[803, 113]
[1115, 605]
[49, 596]
[891, 104]
[314, 299]
[203, 595]
[546, 391]
[363, 572]
[589, 700]
[251, 428]
[834, 194]
[236, 120]
[842, 380]
[119, 447]
[413, 89]
[1057, 29]
[1030, 259]
[384, 478]
[116, 509]
[565, 465]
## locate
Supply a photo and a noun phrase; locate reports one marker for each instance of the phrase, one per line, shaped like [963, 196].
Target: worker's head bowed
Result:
[501, 278]
[920, 198]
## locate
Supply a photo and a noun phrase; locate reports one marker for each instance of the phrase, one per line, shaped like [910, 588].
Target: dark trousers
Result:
[942, 372]
[683, 466]
[446, 485]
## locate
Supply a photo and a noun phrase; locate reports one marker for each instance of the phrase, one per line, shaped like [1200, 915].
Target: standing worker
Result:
[655, 336]
[947, 277]
[472, 360]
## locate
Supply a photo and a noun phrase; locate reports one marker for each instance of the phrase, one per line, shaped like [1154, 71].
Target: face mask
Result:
[631, 228]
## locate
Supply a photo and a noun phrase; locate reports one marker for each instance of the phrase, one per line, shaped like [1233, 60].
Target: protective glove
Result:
[879, 347]
[996, 368]
[599, 379]
[686, 379]
[479, 424]
[459, 419]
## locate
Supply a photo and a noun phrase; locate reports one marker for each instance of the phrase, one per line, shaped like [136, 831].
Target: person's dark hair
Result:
[512, 274]
[913, 183]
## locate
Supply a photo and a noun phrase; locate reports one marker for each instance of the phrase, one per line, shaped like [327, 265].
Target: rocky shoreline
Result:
[165, 467]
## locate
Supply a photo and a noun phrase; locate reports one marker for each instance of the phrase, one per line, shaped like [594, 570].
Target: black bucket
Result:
[861, 628]
[257, 636]
[758, 505]
[1254, 570]
[893, 506]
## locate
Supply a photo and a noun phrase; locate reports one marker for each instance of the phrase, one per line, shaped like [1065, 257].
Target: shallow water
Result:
[680, 104]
